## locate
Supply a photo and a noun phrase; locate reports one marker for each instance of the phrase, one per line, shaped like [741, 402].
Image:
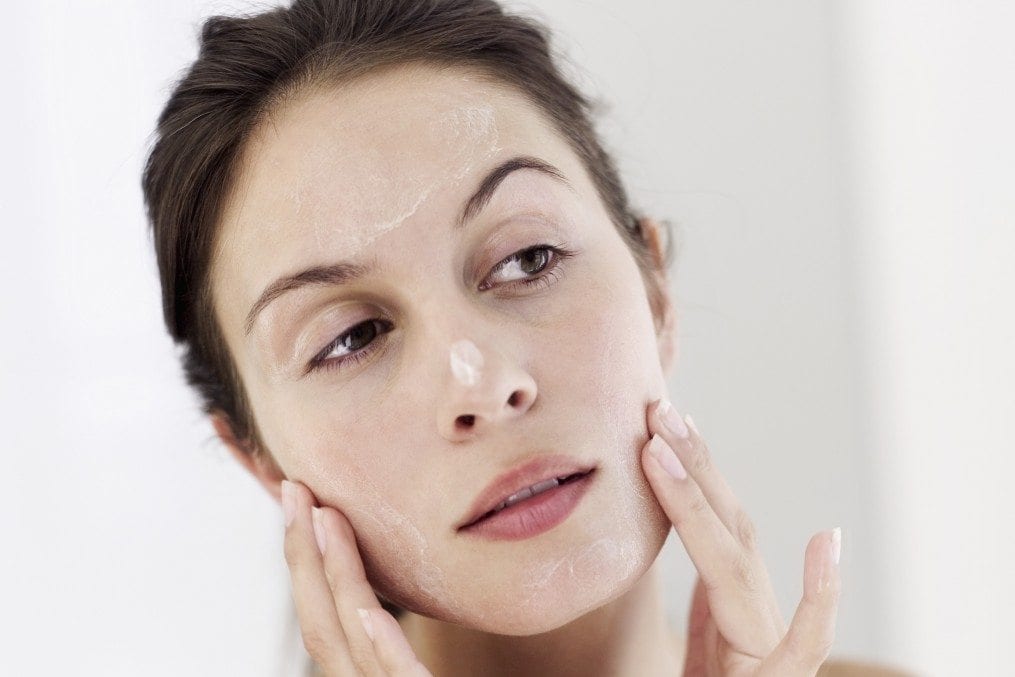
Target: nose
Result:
[484, 388]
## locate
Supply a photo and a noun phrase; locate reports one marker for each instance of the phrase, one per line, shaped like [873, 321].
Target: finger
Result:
[697, 649]
[736, 582]
[391, 646]
[808, 642]
[694, 454]
[320, 627]
[693, 451]
[347, 581]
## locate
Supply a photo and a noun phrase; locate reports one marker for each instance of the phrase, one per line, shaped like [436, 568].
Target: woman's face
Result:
[363, 386]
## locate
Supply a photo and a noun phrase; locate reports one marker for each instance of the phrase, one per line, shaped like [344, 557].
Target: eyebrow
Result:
[344, 272]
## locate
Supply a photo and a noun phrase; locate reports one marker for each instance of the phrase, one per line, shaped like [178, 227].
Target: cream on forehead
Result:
[466, 362]
[349, 193]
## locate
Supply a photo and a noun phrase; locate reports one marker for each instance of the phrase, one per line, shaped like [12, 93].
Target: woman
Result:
[419, 309]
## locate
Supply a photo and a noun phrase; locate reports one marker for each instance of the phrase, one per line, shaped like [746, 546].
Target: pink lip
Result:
[534, 515]
[525, 475]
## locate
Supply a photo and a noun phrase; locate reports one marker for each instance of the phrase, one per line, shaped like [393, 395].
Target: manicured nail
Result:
[319, 528]
[831, 563]
[662, 453]
[671, 419]
[368, 626]
[288, 501]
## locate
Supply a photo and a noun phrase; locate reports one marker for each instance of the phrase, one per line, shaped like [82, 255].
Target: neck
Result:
[627, 636]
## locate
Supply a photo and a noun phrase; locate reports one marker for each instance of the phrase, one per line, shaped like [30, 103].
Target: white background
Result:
[840, 178]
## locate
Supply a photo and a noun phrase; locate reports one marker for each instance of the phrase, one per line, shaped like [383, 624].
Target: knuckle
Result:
[700, 459]
[808, 650]
[365, 659]
[316, 644]
[745, 573]
[295, 553]
[745, 530]
[698, 505]
[712, 585]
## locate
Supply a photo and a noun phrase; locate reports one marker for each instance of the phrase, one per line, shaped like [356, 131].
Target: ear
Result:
[259, 463]
[653, 234]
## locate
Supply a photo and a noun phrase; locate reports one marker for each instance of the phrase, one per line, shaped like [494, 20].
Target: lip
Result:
[520, 477]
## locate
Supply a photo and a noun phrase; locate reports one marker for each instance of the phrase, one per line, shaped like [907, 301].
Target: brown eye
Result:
[529, 263]
[350, 346]
[359, 336]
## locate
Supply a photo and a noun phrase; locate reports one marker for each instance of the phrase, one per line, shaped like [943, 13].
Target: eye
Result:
[533, 261]
[348, 346]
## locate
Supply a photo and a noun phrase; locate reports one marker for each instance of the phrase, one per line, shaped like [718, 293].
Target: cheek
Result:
[401, 554]
[610, 356]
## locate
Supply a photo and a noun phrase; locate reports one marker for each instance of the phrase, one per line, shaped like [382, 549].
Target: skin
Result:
[377, 451]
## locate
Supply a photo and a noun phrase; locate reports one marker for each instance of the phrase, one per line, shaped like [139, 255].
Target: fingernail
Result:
[368, 626]
[671, 419]
[836, 543]
[666, 457]
[318, 528]
[288, 501]
[831, 564]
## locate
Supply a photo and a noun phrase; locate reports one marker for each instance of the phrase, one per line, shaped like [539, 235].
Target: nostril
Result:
[467, 420]
[513, 400]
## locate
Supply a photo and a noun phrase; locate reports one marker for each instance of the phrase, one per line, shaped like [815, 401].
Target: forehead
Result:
[336, 169]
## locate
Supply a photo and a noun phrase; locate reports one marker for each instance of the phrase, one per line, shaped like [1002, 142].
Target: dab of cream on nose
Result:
[466, 362]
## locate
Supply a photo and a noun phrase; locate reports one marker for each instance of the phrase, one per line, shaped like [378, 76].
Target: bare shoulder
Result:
[841, 667]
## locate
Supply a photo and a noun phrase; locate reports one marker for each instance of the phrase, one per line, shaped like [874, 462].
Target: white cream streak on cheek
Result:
[414, 568]
[466, 362]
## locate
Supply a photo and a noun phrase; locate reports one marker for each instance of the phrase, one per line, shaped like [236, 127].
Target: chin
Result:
[588, 578]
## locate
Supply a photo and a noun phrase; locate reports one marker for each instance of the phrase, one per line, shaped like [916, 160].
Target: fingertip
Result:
[809, 639]
[665, 458]
[320, 531]
[391, 645]
[836, 543]
[646, 453]
[821, 563]
[288, 502]
[343, 527]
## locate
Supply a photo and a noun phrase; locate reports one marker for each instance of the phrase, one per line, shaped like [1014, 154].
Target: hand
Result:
[331, 592]
[735, 627]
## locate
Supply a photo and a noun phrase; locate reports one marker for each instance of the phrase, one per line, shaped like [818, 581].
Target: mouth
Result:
[527, 485]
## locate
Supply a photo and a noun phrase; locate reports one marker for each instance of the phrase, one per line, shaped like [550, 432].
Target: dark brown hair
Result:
[249, 67]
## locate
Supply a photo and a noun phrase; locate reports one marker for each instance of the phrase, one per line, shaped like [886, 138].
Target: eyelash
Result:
[547, 277]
